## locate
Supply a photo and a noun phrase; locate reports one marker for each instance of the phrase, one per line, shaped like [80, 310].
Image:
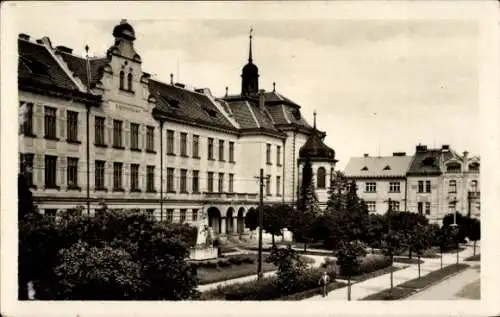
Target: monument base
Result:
[203, 253]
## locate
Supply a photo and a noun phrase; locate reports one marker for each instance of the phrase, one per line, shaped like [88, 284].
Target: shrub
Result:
[236, 261]
[369, 264]
[329, 262]
[224, 263]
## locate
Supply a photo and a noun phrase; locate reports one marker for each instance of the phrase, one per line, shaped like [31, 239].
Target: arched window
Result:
[122, 80]
[321, 178]
[129, 81]
[453, 168]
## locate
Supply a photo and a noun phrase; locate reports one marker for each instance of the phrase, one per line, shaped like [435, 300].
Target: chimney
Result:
[45, 40]
[23, 36]
[421, 148]
[262, 100]
[445, 148]
[366, 155]
[179, 85]
[64, 49]
[399, 154]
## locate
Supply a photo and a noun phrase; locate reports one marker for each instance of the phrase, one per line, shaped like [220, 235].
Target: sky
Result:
[378, 85]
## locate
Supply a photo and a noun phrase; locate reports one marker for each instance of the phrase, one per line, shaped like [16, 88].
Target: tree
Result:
[276, 217]
[252, 219]
[375, 230]
[461, 221]
[349, 255]
[336, 193]
[443, 237]
[474, 232]
[111, 245]
[290, 268]
[407, 224]
[420, 240]
[302, 223]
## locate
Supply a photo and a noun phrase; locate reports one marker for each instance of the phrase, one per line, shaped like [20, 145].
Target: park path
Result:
[379, 283]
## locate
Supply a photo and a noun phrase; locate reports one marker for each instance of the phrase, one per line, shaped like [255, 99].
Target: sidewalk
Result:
[379, 283]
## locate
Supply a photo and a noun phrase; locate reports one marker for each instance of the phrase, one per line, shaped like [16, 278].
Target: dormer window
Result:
[387, 168]
[364, 168]
[474, 167]
[453, 168]
[428, 161]
[122, 80]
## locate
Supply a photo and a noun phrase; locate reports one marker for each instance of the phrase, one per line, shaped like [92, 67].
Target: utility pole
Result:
[261, 221]
[87, 123]
[390, 239]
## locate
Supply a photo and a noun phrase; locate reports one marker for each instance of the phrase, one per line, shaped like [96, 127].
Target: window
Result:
[170, 215]
[170, 142]
[117, 134]
[394, 187]
[150, 139]
[420, 207]
[221, 150]
[371, 206]
[321, 178]
[183, 181]
[27, 117]
[278, 155]
[268, 153]
[99, 131]
[194, 215]
[427, 208]
[371, 187]
[117, 176]
[268, 185]
[474, 167]
[453, 168]
[150, 178]
[50, 171]
[99, 175]
[452, 206]
[72, 126]
[150, 214]
[51, 214]
[170, 180]
[26, 167]
[72, 172]
[122, 80]
[183, 215]
[427, 186]
[452, 186]
[221, 182]
[278, 185]
[420, 186]
[231, 183]
[134, 177]
[210, 182]
[50, 123]
[134, 136]
[473, 186]
[196, 146]
[196, 181]
[184, 144]
[210, 148]
[129, 81]
[394, 205]
[231, 151]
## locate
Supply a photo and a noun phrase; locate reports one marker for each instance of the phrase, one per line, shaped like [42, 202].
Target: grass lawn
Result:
[218, 274]
[476, 257]
[366, 276]
[313, 292]
[412, 286]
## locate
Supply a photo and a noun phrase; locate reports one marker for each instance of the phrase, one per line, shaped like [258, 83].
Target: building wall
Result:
[291, 163]
[321, 193]
[382, 194]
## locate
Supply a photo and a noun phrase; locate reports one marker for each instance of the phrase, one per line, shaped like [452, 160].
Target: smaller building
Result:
[381, 178]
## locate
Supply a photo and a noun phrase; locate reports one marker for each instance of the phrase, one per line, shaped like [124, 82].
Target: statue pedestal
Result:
[200, 253]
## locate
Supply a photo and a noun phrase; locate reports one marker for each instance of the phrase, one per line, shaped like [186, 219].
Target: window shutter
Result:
[126, 134]
[61, 122]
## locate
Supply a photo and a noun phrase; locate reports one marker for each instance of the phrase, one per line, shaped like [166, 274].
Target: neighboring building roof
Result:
[37, 65]
[315, 149]
[78, 66]
[180, 103]
[378, 167]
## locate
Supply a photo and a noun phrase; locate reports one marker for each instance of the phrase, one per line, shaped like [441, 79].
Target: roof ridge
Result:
[285, 115]
[253, 114]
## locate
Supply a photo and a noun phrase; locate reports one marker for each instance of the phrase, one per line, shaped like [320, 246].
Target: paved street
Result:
[379, 283]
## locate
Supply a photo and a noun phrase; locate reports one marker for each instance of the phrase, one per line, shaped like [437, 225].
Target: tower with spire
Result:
[250, 74]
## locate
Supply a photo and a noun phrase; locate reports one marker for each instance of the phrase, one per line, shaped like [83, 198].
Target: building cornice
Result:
[29, 85]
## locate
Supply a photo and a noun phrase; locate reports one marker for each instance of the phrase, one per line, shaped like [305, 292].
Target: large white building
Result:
[432, 182]
[102, 130]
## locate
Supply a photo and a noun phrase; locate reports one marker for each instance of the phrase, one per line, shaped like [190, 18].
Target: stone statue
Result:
[204, 237]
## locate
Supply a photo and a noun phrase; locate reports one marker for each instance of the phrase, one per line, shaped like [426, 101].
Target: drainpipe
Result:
[161, 170]
[283, 181]
[88, 156]
[406, 194]
[293, 168]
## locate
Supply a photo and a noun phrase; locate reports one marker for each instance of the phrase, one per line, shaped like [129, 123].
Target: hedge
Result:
[266, 288]
[369, 264]
[476, 257]
[387, 294]
[434, 276]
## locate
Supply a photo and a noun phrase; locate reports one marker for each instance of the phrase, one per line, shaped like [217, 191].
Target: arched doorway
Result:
[241, 220]
[229, 221]
[214, 219]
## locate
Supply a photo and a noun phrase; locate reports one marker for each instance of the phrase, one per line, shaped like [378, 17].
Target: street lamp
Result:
[455, 229]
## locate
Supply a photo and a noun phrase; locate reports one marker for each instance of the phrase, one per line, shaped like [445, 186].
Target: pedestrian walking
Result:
[323, 282]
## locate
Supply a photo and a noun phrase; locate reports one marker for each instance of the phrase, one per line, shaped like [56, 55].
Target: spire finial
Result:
[171, 79]
[274, 86]
[314, 122]
[250, 50]
[87, 67]
[226, 90]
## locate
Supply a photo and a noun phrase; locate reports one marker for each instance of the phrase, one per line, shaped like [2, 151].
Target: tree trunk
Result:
[349, 288]
[474, 248]
[441, 253]
[373, 250]
[305, 247]
[392, 263]
[418, 258]
[274, 244]
[409, 253]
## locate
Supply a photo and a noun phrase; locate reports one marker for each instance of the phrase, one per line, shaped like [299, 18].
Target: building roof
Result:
[378, 167]
[180, 103]
[78, 66]
[430, 161]
[250, 116]
[315, 148]
[39, 66]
